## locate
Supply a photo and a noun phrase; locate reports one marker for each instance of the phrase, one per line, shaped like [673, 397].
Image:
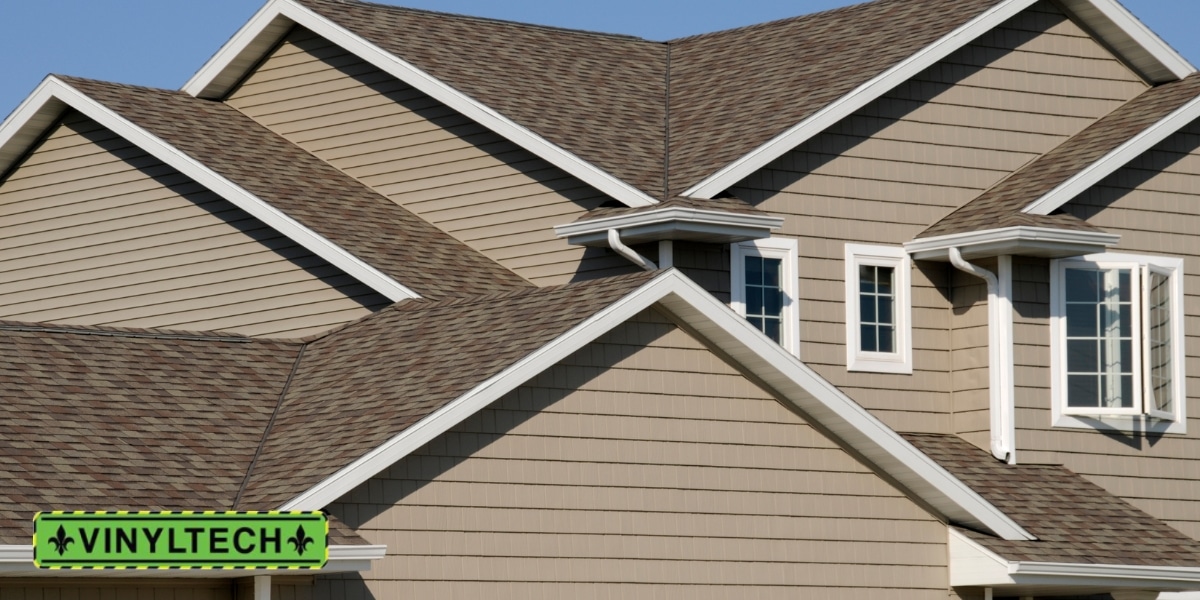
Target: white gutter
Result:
[1001, 390]
[18, 560]
[614, 242]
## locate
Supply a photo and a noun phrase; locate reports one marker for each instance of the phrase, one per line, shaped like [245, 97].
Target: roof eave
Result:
[1016, 241]
[676, 223]
[1142, 49]
[972, 565]
[17, 561]
[217, 77]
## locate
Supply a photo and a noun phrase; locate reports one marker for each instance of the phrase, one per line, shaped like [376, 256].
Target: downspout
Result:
[1001, 391]
[614, 242]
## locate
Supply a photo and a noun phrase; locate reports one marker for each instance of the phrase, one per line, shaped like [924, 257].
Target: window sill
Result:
[1121, 424]
[863, 364]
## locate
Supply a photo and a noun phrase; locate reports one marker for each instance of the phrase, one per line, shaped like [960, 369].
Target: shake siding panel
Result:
[642, 466]
[93, 231]
[882, 175]
[425, 157]
[1153, 214]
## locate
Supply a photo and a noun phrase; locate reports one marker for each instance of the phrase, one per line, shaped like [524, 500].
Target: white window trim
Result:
[1132, 423]
[896, 257]
[785, 249]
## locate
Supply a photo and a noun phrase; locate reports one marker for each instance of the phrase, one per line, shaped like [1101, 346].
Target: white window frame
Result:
[1138, 419]
[900, 361]
[787, 250]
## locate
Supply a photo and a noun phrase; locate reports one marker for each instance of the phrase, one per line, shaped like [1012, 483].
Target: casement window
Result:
[1117, 342]
[878, 309]
[764, 279]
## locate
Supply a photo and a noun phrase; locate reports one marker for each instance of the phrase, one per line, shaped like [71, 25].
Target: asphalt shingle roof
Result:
[309, 190]
[362, 385]
[605, 98]
[1001, 205]
[1075, 520]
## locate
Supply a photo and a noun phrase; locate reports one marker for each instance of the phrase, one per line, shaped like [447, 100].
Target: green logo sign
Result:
[180, 540]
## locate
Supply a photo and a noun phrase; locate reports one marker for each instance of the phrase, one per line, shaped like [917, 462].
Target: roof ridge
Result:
[773, 22]
[498, 21]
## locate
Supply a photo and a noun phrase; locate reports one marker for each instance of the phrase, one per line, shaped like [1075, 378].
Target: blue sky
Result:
[163, 42]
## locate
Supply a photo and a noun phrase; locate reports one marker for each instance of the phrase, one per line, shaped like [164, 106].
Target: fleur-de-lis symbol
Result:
[61, 541]
[300, 541]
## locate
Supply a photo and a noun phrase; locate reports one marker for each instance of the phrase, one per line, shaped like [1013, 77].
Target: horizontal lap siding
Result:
[884, 174]
[94, 231]
[640, 467]
[1151, 203]
[484, 190]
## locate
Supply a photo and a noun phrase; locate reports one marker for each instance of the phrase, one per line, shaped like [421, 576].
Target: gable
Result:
[95, 231]
[638, 464]
[485, 190]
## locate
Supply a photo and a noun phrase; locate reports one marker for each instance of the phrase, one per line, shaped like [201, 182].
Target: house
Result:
[895, 300]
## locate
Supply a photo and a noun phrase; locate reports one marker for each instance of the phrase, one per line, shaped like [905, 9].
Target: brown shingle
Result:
[1075, 520]
[1001, 205]
[605, 98]
[358, 387]
[365, 223]
[107, 419]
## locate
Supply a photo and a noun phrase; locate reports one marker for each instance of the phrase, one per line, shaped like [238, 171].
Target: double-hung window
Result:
[878, 330]
[764, 279]
[1117, 342]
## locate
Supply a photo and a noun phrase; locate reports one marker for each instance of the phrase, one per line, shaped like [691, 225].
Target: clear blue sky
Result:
[163, 42]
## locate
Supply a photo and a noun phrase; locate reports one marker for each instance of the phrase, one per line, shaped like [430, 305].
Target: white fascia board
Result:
[227, 67]
[1109, 163]
[1129, 37]
[18, 560]
[973, 565]
[719, 325]
[55, 90]
[856, 99]
[22, 129]
[1022, 240]
[665, 221]
[230, 64]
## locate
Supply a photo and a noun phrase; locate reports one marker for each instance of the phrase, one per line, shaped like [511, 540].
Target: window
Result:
[1117, 342]
[764, 282]
[878, 310]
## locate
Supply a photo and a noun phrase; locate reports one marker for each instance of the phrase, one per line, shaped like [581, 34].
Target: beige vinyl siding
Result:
[640, 467]
[884, 174]
[1151, 203]
[110, 589]
[484, 190]
[969, 356]
[94, 231]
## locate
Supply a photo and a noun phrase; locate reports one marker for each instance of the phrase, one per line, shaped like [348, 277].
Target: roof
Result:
[111, 419]
[727, 204]
[360, 386]
[605, 98]
[1003, 204]
[309, 190]
[1075, 520]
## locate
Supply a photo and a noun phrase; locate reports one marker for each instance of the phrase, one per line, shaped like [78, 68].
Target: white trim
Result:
[240, 54]
[1130, 37]
[1119, 157]
[1145, 51]
[667, 222]
[1021, 240]
[856, 99]
[1136, 420]
[231, 58]
[715, 324]
[972, 565]
[54, 93]
[785, 249]
[17, 560]
[900, 361]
